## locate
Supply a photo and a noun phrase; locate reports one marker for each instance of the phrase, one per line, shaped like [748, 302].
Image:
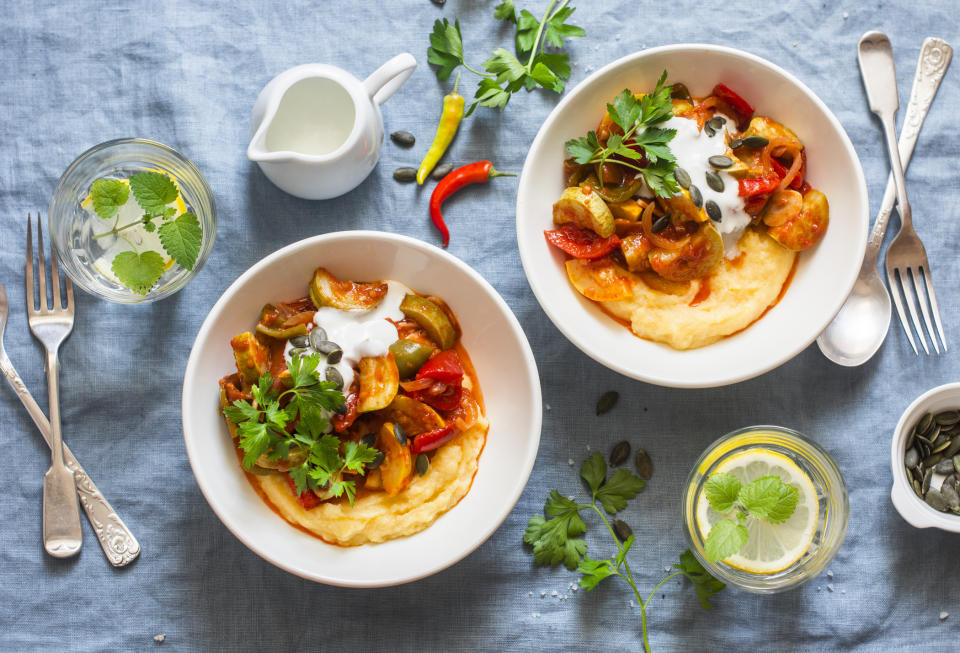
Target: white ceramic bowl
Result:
[504, 364]
[912, 508]
[824, 275]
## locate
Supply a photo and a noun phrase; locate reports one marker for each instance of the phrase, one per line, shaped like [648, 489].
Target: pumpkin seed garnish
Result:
[329, 349]
[735, 143]
[717, 122]
[405, 175]
[317, 337]
[714, 181]
[644, 464]
[619, 454]
[299, 342]
[713, 211]
[660, 224]
[441, 171]
[621, 529]
[369, 440]
[709, 129]
[607, 401]
[755, 141]
[696, 196]
[298, 351]
[399, 434]
[720, 161]
[377, 461]
[422, 464]
[333, 375]
[682, 177]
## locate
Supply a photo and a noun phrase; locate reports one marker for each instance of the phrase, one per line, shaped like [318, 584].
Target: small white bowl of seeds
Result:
[925, 460]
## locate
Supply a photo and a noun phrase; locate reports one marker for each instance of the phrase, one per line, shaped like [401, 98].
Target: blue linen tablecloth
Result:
[187, 73]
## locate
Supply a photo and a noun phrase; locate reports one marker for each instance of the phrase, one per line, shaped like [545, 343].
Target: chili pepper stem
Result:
[496, 173]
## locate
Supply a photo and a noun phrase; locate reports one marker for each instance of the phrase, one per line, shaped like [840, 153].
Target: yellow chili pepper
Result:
[446, 130]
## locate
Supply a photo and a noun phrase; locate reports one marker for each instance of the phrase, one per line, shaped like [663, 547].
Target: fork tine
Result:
[55, 300]
[895, 293]
[933, 305]
[41, 268]
[911, 305]
[28, 272]
[922, 299]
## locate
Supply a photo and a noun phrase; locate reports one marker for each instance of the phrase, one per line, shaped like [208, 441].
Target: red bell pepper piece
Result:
[778, 168]
[581, 243]
[758, 185]
[444, 368]
[432, 439]
[343, 422]
[308, 499]
[740, 106]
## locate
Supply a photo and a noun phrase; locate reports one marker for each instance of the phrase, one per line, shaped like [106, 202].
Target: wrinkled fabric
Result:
[187, 73]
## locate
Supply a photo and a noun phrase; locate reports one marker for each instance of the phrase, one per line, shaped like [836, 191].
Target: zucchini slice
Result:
[253, 358]
[327, 290]
[431, 319]
[379, 383]
[587, 210]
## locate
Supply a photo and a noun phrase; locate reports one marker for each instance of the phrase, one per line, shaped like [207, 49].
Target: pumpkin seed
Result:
[947, 418]
[620, 452]
[682, 177]
[945, 466]
[910, 438]
[329, 349]
[621, 529]
[422, 464]
[405, 175]
[680, 92]
[607, 401]
[300, 342]
[956, 463]
[297, 351]
[377, 461]
[441, 171]
[954, 447]
[950, 496]
[927, 475]
[932, 459]
[735, 143]
[717, 122]
[317, 337]
[714, 181]
[942, 446]
[925, 422]
[644, 464]
[403, 138]
[935, 500]
[713, 211]
[710, 131]
[911, 458]
[660, 224]
[933, 433]
[916, 488]
[399, 434]
[720, 161]
[696, 196]
[755, 141]
[369, 440]
[333, 376]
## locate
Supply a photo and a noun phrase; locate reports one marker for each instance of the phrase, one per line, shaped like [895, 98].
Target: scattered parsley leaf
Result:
[725, 538]
[557, 29]
[108, 195]
[153, 191]
[704, 584]
[181, 238]
[506, 11]
[722, 490]
[446, 47]
[770, 499]
[593, 572]
[594, 471]
[138, 272]
[622, 486]
[553, 540]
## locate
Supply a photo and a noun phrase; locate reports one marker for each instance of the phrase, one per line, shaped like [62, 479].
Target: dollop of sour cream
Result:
[359, 333]
[692, 149]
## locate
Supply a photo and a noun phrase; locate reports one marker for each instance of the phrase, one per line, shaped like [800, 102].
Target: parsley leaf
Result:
[446, 47]
[557, 29]
[506, 11]
[770, 499]
[725, 538]
[722, 490]
[704, 584]
[593, 572]
[594, 471]
[623, 485]
[153, 191]
[553, 540]
[138, 272]
[181, 238]
[108, 195]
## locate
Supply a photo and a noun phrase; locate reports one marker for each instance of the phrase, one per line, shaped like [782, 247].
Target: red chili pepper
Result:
[758, 185]
[473, 173]
[431, 440]
[308, 499]
[581, 243]
[444, 368]
[742, 108]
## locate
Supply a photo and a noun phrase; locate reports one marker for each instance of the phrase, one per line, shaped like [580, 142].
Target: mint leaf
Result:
[108, 195]
[725, 538]
[138, 272]
[594, 471]
[153, 191]
[593, 572]
[703, 583]
[181, 238]
[621, 487]
[722, 490]
[769, 498]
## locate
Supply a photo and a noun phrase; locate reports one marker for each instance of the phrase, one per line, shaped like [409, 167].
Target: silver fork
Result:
[51, 324]
[906, 257]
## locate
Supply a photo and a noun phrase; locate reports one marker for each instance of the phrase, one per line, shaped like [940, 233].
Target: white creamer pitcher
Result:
[317, 129]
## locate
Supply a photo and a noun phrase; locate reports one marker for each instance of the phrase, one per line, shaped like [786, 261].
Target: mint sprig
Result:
[555, 537]
[767, 498]
[180, 236]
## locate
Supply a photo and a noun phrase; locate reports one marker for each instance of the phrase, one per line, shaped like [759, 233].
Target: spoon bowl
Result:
[861, 326]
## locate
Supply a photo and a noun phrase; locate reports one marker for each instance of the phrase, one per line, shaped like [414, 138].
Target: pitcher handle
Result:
[388, 78]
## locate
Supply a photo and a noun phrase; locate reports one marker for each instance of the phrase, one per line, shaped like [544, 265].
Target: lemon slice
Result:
[770, 547]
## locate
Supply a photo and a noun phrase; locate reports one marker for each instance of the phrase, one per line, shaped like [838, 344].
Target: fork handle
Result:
[62, 531]
[118, 543]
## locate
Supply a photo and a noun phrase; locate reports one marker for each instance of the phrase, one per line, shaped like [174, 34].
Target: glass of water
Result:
[78, 234]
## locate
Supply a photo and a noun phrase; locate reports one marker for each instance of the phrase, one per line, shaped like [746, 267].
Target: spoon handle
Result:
[875, 55]
[935, 55]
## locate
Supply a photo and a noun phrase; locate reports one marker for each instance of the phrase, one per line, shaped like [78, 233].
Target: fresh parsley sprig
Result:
[263, 429]
[180, 236]
[555, 537]
[504, 73]
[767, 498]
[642, 142]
